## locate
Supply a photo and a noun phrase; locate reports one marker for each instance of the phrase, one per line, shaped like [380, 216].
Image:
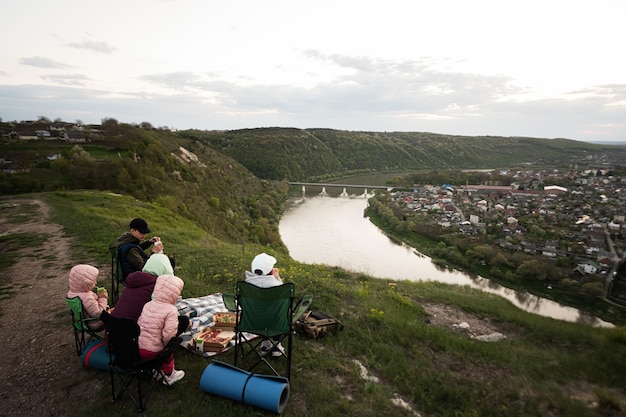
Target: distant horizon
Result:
[74, 121]
[535, 69]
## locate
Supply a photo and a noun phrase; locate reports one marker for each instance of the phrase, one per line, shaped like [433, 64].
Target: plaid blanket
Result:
[202, 309]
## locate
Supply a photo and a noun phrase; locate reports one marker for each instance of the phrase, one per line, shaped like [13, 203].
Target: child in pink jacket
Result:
[158, 323]
[82, 281]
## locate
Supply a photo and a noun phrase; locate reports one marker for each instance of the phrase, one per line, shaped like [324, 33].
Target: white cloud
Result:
[42, 62]
[92, 46]
[66, 79]
[543, 69]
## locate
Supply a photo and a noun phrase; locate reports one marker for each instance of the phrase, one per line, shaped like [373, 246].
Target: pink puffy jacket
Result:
[81, 282]
[159, 318]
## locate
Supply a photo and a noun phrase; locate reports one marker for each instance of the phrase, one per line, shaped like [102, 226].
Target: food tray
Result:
[214, 338]
[226, 319]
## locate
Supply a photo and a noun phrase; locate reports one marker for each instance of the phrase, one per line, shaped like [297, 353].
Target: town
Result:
[562, 228]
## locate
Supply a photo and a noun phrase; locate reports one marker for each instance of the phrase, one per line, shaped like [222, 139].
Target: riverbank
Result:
[596, 306]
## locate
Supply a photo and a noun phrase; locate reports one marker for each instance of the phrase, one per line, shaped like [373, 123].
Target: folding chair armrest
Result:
[89, 319]
[303, 305]
[229, 301]
[174, 341]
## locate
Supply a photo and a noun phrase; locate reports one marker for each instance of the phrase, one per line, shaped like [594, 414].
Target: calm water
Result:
[333, 231]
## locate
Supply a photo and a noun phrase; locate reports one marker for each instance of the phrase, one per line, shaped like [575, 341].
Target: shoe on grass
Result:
[278, 350]
[266, 347]
[175, 376]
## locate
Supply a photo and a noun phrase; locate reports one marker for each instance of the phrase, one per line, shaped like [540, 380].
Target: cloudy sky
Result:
[540, 68]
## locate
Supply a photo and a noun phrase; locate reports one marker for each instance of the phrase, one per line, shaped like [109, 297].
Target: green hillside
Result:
[148, 162]
[187, 177]
[297, 155]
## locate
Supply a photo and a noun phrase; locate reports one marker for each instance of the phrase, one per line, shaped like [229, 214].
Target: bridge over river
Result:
[344, 186]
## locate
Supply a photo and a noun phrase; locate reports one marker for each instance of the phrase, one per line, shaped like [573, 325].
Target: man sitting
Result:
[131, 246]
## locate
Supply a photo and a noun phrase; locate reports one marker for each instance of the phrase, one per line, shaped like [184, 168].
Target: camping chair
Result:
[125, 363]
[269, 313]
[229, 302]
[117, 277]
[302, 306]
[80, 324]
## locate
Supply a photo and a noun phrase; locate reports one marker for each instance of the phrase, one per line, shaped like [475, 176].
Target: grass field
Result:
[543, 366]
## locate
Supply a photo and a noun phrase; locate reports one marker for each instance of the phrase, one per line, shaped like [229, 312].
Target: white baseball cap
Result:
[264, 263]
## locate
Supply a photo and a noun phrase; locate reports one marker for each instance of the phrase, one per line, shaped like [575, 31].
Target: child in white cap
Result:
[263, 272]
[265, 275]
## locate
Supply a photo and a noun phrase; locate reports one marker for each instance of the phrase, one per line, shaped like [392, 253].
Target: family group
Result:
[150, 292]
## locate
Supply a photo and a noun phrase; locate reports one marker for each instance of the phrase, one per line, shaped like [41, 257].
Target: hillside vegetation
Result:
[219, 173]
[297, 155]
[187, 177]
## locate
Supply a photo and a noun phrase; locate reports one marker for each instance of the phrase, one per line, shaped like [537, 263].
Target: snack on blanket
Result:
[215, 337]
[227, 319]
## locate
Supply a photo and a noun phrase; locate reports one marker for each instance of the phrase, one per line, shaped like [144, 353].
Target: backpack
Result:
[315, 324]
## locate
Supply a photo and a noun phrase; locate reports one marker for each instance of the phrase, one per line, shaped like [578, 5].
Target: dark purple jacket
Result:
[138, 291]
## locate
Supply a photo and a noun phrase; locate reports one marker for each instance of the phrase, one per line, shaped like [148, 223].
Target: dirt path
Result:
[40, 369]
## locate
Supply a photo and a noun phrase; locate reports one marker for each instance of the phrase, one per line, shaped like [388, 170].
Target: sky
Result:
[533, 68]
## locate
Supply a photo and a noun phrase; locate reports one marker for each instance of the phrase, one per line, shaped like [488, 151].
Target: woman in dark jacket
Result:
[139, 287]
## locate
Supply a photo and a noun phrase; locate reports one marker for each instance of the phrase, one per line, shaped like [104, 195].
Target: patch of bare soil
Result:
[40, 368]
[457, 320]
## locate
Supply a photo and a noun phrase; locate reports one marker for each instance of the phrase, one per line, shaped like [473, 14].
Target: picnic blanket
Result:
[202, 309]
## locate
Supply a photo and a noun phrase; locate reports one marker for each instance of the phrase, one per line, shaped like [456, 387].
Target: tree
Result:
[593, 288]
[500, 260]
[532, 270]
[481, 252]
[109, 126]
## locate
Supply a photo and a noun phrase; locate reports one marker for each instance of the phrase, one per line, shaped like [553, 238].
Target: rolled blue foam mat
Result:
[223, 379]
[264, 391]
[267, 392]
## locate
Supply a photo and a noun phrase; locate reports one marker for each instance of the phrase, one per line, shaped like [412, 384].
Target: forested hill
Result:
[313, 154]
[218, 178]
[152, 165]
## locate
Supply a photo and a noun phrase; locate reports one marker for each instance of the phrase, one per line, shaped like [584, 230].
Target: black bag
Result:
[315, 324]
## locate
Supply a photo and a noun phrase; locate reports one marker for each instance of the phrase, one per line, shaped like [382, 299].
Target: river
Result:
[332, 231]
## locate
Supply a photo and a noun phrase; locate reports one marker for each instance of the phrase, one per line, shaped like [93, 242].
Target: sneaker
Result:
[278, 350]
[266, 347]
[175, 376]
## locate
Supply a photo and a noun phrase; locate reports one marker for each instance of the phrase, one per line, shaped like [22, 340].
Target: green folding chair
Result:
[266, 314]
[82, 332]
[303, 305]
[229, 302]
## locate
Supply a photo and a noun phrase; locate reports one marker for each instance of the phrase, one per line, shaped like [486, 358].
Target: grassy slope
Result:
[218, 194]
[544, 367]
